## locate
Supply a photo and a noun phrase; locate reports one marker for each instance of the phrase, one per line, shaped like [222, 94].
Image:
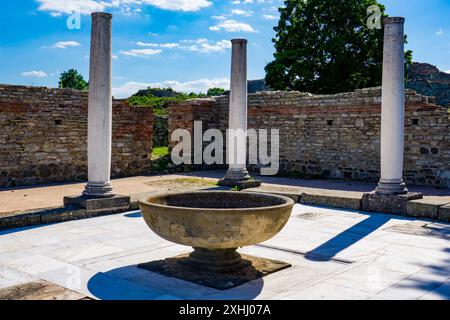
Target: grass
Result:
[159, 152]
[186, 182]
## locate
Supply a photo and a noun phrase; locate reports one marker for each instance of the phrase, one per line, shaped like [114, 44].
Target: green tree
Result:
[212, 92]
[159, 99]
[325, 46]
[72, 79]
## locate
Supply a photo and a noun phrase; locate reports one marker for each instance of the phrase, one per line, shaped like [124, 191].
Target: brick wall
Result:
[43, 136]
[337, 136]
[160, 131]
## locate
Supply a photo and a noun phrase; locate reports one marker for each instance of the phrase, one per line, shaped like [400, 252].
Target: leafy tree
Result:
[72, 79]
[212, 92]
[325, 46]
[158, 98]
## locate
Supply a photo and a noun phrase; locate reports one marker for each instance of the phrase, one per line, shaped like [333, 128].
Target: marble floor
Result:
[336, 254]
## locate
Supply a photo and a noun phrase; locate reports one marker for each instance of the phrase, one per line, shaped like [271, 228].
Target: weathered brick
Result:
[44, 136]
[336, 136]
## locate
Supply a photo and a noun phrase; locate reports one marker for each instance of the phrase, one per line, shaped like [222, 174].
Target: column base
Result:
[237, 174]
[240, 179]
[116, 203]
[241, 184]
[98, 190]
[388, 203]
[391, 188]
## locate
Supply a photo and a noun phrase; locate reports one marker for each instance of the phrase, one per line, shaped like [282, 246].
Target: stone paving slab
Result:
[39, 290]
[334, 253]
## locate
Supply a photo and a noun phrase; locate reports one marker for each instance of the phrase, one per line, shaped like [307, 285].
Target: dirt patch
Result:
[185, 183]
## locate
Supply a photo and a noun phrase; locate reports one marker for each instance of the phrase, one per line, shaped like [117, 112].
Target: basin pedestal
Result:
[219, 269]
[215, 224]
[220, 260]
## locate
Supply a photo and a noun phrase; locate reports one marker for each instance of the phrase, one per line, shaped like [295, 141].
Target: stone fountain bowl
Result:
[216, 219]
[216, 223]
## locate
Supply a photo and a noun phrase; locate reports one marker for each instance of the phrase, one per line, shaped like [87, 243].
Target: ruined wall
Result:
[43, 136]
[160, 131]
[337, 136]
[428, 80]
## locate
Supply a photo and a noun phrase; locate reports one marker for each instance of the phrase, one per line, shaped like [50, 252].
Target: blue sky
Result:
[178, 43]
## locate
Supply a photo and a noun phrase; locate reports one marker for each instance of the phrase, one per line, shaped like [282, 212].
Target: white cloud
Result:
[58, 7]
[34, 74]
[65, 44]
[202, 85]
[145, 44]
[201, 45]
[269, 17]
[221, 17]
[141, 52]
[169, 45]
[240, 12]
[201, 40]
[232, 26]
[448, 71]
[179, 5]
[439, 32]
[204, 46]
[158, 45]
[244, 1]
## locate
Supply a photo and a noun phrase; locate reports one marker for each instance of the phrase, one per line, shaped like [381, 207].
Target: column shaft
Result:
[237, 138]
[100, 108]
[393, 109]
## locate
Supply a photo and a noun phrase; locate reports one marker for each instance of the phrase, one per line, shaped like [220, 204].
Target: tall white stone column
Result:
[237, 174]
[237, 143]
[393, 109]
[100, 108]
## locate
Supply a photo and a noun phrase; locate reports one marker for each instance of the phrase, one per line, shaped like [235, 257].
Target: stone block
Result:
[114, 204]
[63, 214]
[425, 208]
[444, 213]
[19, 220]
[332, 200]
[393, 204]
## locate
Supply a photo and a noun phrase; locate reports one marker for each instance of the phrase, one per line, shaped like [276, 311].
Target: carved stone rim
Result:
[101, 15]
[394, 20]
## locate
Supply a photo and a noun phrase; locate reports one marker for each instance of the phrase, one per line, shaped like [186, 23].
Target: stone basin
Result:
[216, 223]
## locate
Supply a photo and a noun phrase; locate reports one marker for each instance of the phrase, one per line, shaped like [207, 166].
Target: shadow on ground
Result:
[347, 238]
[436, 282]
[136, 214]
[131, 283]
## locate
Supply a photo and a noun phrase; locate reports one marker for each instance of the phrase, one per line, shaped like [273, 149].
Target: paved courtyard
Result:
[336, 254]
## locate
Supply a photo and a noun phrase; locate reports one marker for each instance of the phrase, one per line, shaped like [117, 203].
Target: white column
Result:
[237, 137]
[100, 109]
[393, 109]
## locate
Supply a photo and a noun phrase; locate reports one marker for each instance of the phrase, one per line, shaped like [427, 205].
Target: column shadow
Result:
[347, 238]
